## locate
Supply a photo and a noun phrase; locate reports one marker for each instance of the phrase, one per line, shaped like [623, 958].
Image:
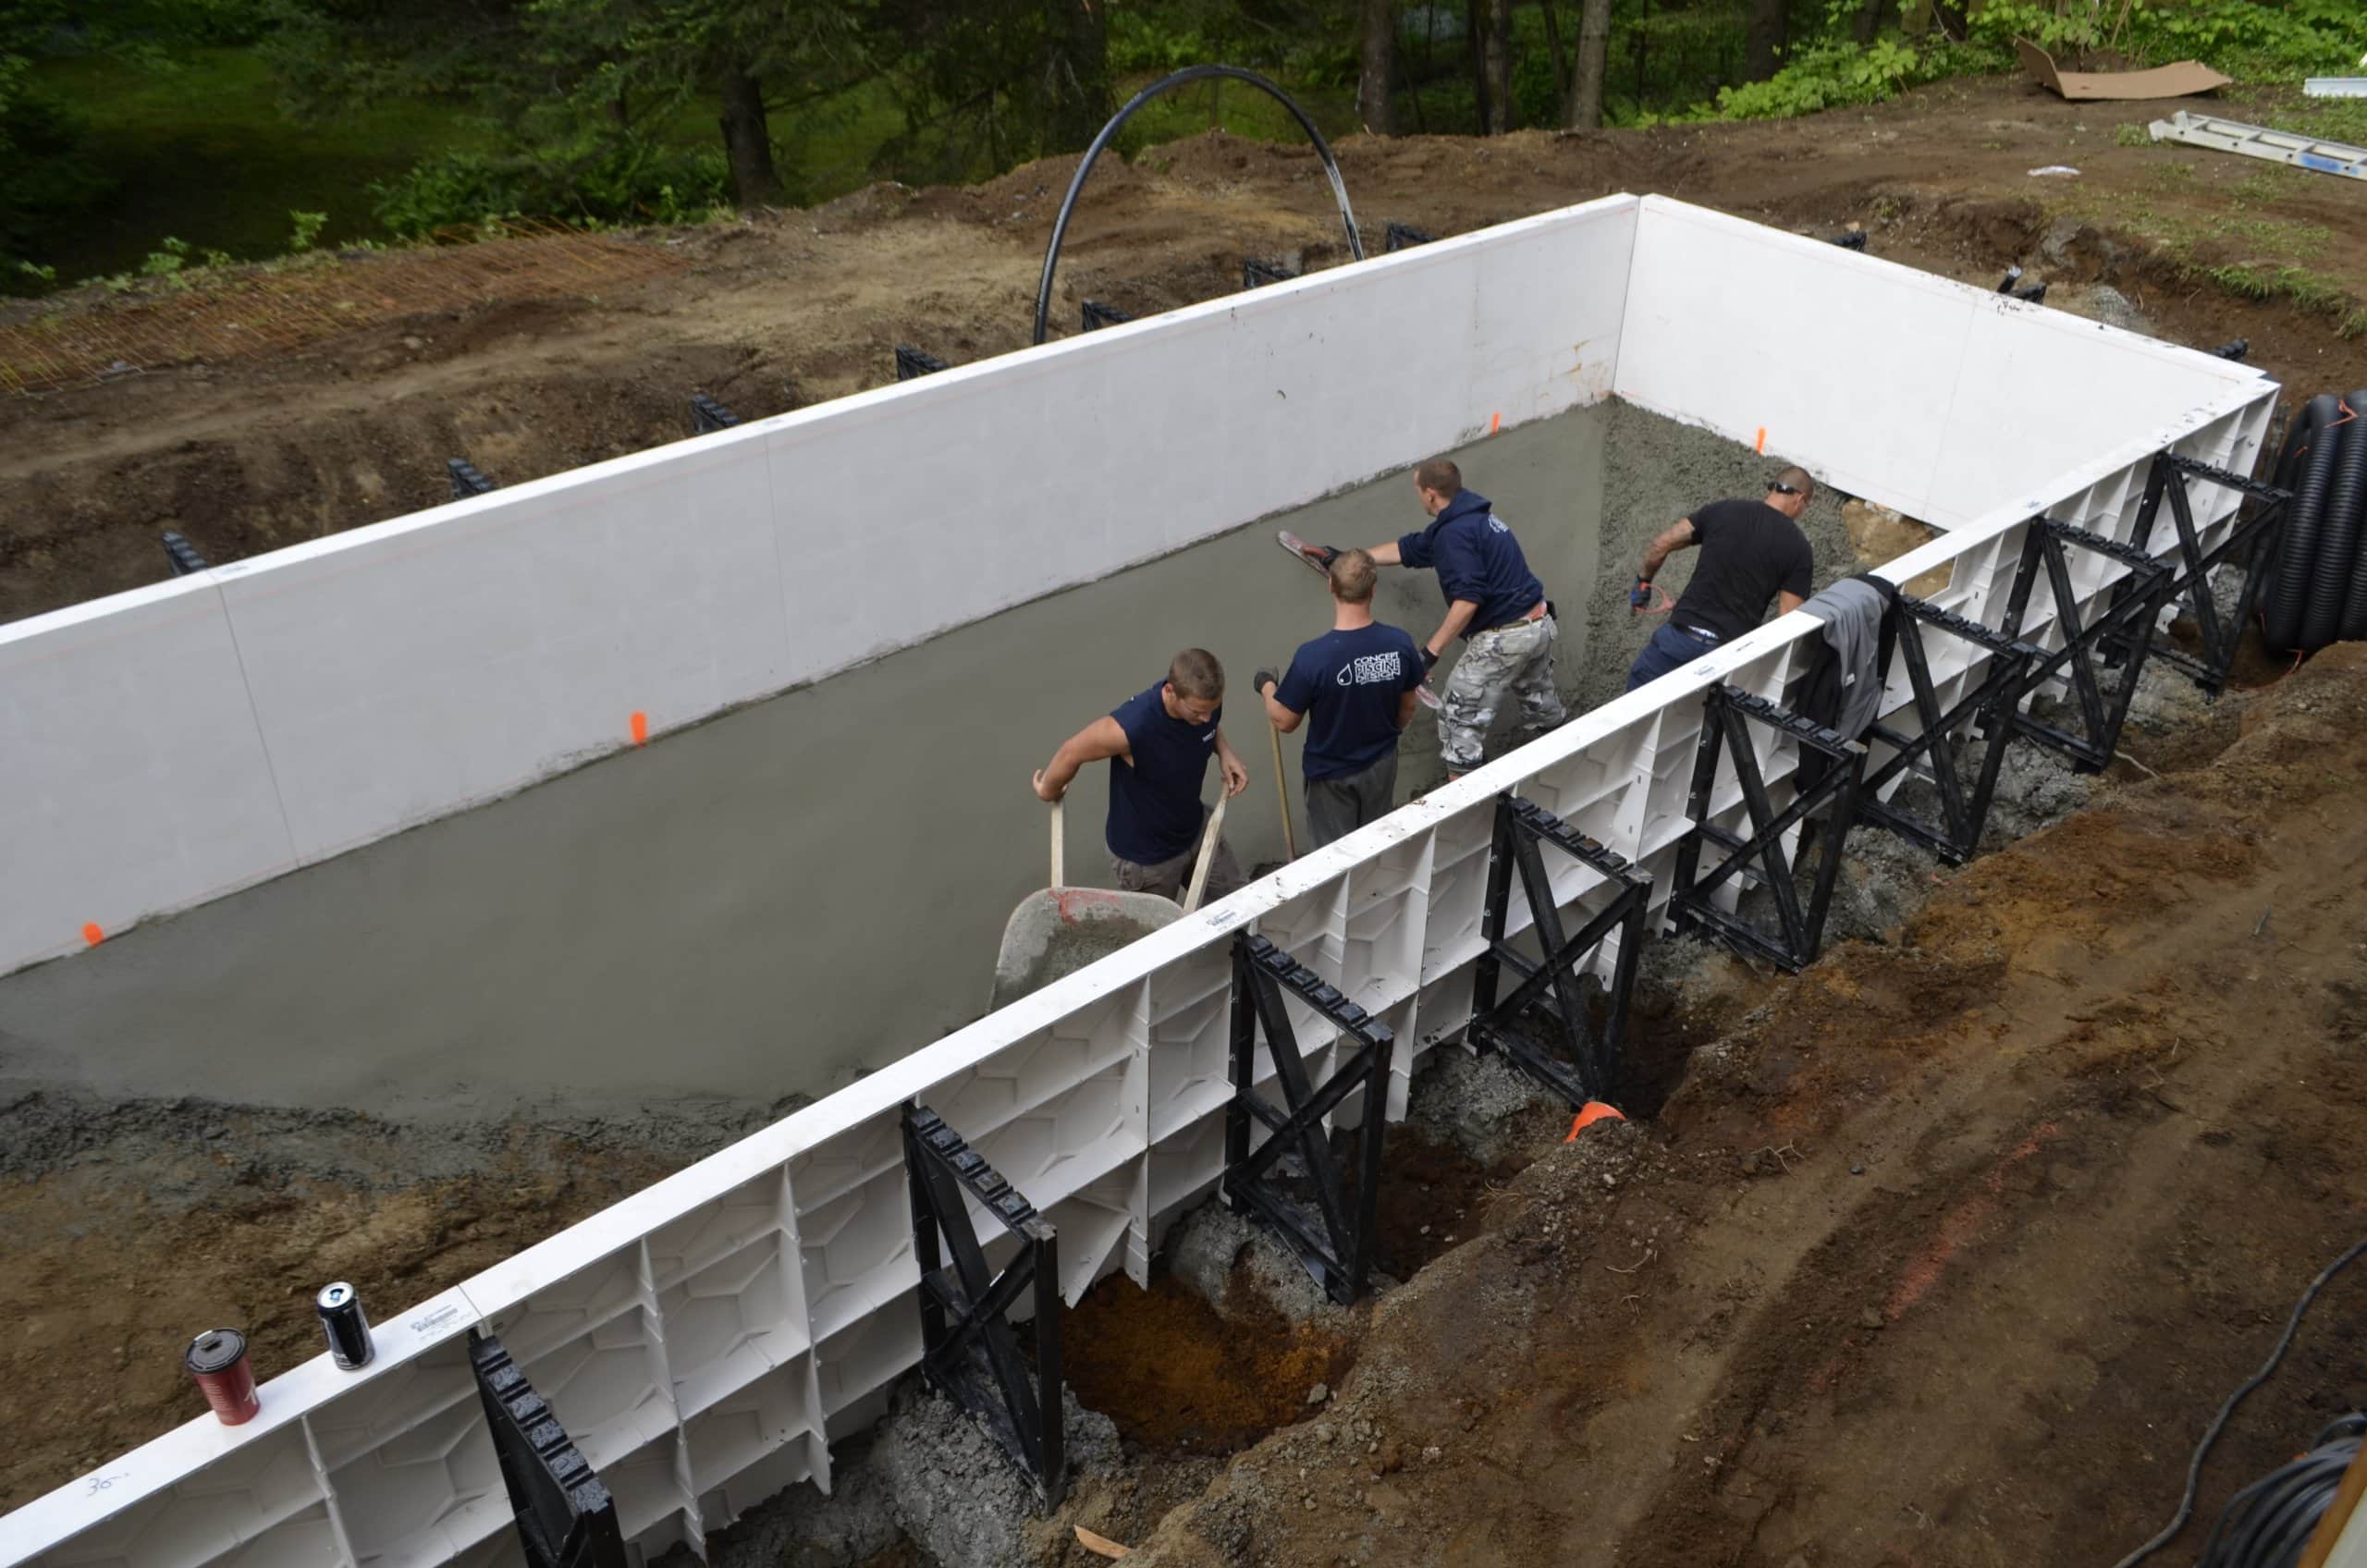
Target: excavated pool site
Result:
[626, 852]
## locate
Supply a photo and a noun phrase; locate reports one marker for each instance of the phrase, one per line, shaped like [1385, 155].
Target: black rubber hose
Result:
[2338, 530]
[2297, 559]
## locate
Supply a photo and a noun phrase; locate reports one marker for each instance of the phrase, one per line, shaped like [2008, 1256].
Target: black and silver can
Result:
[348, 1330]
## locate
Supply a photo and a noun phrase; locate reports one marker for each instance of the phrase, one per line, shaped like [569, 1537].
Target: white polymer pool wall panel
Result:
[1943, 401]
[172, 744]
[705, 1339]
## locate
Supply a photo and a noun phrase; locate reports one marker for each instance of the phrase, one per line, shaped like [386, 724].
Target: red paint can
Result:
[217, 1358]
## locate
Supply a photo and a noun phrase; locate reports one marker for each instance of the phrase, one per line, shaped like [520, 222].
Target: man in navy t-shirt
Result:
[1158, 744]
[1493, 601]
[1354, 688]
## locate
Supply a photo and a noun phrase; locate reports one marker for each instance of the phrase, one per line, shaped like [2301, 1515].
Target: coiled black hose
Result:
[2338, 530]
[2269, 1523]
[2289, 597]
[2219, 1422]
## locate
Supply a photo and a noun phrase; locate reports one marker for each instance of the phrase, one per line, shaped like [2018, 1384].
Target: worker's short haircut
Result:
[1195, 673]
[1793, 481]
[1441, 475]
[1352, 575]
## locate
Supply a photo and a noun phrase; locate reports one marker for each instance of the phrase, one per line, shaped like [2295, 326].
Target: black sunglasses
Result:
[1785, 489]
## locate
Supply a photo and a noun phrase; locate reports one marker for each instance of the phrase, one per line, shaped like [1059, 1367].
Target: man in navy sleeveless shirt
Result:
[1157, 743]
[1354, 688]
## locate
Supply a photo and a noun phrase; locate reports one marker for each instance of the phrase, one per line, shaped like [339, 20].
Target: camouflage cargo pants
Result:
[1519, 659]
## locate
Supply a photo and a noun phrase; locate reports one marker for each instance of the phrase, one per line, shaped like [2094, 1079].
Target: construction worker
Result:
[1493, 601]
[1158, 742]
[1357, 683]
[1751, 551]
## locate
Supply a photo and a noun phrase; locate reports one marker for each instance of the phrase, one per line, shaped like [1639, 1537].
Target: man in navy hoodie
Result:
[1493, 601]
[1157, 743]
[1356, 685]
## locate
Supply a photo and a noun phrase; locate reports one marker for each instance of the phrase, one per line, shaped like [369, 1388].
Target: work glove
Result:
[1640, 594]
[1323, 555]
[1263, 679]
[1429, 661]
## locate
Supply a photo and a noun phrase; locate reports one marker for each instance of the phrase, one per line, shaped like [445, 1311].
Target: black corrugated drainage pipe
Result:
[2338, 530]
[2311, 452]
[1188, 74]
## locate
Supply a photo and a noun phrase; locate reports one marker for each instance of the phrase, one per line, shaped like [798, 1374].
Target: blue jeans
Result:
[1669, 646]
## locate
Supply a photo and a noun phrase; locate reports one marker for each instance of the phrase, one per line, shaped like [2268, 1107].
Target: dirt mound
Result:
[788, 308]
[1945, 1253]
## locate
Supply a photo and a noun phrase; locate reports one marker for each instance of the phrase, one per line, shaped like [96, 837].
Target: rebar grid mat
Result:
[256, 311]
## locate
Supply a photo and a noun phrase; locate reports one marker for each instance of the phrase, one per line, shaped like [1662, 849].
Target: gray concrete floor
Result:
[816, 885]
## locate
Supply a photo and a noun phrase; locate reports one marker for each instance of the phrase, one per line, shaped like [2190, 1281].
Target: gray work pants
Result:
[1337, 807]
[1169, 878]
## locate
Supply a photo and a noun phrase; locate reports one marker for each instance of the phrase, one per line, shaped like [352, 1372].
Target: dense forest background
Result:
[145, 136]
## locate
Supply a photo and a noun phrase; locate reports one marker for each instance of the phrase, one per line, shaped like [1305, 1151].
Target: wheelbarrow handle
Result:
[1057, 883]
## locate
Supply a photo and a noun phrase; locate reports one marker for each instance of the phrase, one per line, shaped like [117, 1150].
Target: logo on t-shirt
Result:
[1497, 523]
[1371, 670]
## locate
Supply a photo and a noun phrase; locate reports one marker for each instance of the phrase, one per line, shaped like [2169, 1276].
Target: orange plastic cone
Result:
[1588, 1114]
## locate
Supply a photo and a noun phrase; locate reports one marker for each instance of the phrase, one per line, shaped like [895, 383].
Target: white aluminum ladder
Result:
[2259, 141]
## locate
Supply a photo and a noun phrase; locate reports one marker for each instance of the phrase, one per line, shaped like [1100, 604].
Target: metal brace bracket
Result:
[1334, 1236]
[2248, 540]
[2128, 621]
[913, 363]
[1098, 315]
[1964, 813]
[466, 480]
[1550, 994]
[969, 1347]
[565, 1514]
[1728, 717]
[707, 416]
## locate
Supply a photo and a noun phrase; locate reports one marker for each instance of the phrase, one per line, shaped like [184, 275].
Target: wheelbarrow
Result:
[1060, 929]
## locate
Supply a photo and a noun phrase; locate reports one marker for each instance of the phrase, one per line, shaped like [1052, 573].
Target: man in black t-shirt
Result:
[1751, 552]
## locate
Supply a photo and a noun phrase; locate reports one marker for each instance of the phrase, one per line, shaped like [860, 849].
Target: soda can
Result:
[348, 1330]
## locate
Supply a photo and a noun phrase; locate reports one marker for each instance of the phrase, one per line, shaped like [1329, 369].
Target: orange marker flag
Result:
[1588, 1114]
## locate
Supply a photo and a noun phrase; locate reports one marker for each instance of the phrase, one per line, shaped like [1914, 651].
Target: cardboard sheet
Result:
[2182, 79]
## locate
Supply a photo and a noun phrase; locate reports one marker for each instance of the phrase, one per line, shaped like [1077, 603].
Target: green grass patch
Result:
[204, 154]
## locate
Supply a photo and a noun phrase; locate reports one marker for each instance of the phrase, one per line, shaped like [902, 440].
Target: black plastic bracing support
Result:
[1853, 241]
[1553, 994]
[1098, 315]
[2234, 348]
[466, 480]
[1401, 237]
[2249, 541]
[1930, 754]
[969, 1347]
[183, 555]
[565, 1518]
[1335, 1235]
[2127, 621]
[707, 416]
[913, 363]
[1728, 717]
[1255, 274]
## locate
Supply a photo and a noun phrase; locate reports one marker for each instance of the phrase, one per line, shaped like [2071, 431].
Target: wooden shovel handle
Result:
[1057, 883]
[1208, 855]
